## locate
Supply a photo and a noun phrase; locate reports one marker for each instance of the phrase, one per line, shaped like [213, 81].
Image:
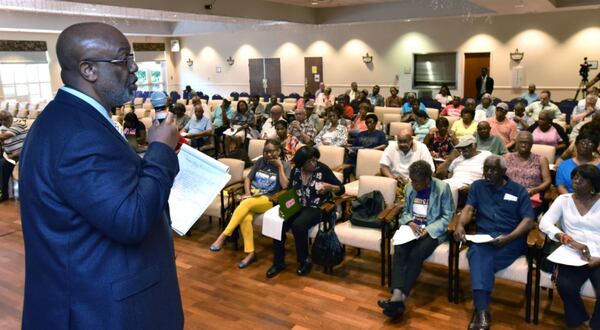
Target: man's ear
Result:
[89, 71]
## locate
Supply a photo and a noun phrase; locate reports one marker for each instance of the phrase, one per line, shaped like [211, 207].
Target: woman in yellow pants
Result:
[268, 176]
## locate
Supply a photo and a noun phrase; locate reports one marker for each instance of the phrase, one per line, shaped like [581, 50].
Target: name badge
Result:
[509, 197]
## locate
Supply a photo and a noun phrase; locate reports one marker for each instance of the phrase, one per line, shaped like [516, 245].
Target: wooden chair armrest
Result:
[343, 199]
[275, 197]
[342, 167]
[233, 187]
[391, 213]
[535, 238]
[328, 207]
[453, 222]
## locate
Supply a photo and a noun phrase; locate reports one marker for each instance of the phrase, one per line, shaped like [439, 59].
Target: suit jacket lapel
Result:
[87, 110]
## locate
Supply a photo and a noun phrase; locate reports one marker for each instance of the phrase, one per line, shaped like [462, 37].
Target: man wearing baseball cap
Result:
[467, 167]
[502, 127]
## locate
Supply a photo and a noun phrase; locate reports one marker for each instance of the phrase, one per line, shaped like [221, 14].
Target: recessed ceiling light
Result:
[314, 3]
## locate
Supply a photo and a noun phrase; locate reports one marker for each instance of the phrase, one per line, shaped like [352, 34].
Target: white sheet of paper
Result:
[565, 255]
[479, 238]
[272, 225]
[184, 134]
[199, 181]
[229, 132]
[404, 234]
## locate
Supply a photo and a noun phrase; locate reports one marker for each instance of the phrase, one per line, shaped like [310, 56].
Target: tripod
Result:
[582, 88]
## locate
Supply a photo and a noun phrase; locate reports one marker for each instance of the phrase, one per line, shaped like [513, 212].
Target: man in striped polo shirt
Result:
[12, 135]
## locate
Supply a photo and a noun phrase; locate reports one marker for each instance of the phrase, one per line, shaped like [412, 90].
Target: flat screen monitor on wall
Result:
[434, 69]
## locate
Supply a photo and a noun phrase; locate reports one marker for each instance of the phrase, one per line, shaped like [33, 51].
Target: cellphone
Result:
[160, 116]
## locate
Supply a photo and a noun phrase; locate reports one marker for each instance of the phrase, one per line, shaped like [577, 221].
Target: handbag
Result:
[327, 250]
[366, 208]
[289, 204]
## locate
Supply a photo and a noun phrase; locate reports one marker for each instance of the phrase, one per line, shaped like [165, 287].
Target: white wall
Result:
[554, 45]
[50, 39]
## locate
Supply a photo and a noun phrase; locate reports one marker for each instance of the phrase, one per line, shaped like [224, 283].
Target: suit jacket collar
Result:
[87, 110]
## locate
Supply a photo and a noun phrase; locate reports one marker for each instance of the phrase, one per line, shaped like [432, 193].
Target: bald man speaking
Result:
[98, 245]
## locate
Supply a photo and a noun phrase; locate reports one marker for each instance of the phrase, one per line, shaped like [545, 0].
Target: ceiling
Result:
[184, 17]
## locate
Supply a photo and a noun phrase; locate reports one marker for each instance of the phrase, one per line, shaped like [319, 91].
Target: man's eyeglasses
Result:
[129, 60]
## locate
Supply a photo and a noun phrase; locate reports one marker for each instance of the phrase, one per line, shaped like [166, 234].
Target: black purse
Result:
[327, 251]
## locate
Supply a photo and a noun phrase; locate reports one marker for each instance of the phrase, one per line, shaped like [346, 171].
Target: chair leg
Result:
[358, 252]
[450, 271]
[528, 287]
[382, 249]
[536, 294]
[456, 289]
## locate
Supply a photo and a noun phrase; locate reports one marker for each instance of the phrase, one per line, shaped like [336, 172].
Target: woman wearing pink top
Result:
[453, 109]
[546, 132]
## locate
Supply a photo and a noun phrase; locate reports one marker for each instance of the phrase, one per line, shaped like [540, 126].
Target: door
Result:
[265, 76]
[313, 73]
[473, 64]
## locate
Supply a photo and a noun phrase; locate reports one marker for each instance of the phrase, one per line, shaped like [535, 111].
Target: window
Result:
[26, 82]
[151, 76]
[434, 70]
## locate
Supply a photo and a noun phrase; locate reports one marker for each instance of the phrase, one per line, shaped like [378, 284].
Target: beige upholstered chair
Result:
[141, 113]
[255, 149]
[221, 202]
[433, 113]
[451, 120]
[396, 127]
[367, 163]
[373, 239]
[333, 157]
[543, 150]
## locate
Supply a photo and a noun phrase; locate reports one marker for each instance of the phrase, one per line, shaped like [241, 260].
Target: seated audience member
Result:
[444, 96]
[375, 98]
[221, 117]
[302, 101]
[289, 143]
[334, 133]
[242, 123]
[529, 169]
[485, 109]
[12, 136]
[407, 108]
[359, 124]
[353, 91]
[320, 90]
[348, 112]
[428, 209]
[362, 98]
[315, 184]
[578, 215]
[530, 96]
[534, 109]
[134, 130]
[585, 145]
[503, 211]
[311, 116]
[398, 156]
[258, 109]
[393, 101]
[268, 130]
[181, 119]
[548, 133]
[188, 92]
[272, 102]
[594, 120]
[440, 140]
[465, 126]
[454, 108]
[301, 128]
[467, 167]
[372, 138]
[486, 141]
[415, 107]
[198, 129]
[521, 119]
[324, 100]
[268, 176]
[586, 111]
[502, 127]
[422, 124]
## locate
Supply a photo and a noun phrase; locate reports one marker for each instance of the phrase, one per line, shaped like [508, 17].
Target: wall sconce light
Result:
[367, 58]
[230, 60]
[516, 55]
[189, 62]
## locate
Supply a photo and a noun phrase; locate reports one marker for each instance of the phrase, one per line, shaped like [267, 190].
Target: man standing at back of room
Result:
[98, 244]
[484, 83]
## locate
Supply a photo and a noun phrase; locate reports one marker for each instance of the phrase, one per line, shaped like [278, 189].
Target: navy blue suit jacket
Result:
[98, 244]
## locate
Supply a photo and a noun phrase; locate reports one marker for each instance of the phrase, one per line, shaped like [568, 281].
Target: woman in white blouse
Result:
[334, 133]
[579, 216]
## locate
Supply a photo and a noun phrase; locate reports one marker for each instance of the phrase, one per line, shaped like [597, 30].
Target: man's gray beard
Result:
[114, 99]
